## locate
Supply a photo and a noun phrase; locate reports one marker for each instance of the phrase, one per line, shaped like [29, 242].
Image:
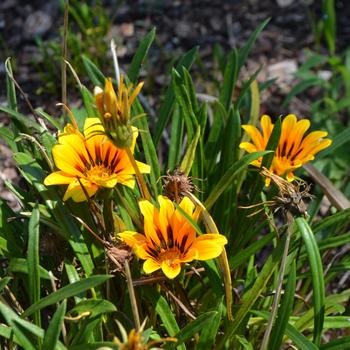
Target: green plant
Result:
[90, 291]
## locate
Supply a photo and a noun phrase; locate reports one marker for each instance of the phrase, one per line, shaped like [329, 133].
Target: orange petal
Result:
[166, 211]
[67, 160]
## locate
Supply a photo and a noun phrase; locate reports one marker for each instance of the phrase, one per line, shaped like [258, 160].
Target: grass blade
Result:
[67, 292]
[139, 57]
[317, 276]
[53, 332]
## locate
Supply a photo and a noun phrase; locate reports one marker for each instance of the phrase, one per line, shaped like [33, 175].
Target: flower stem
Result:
[223, 261]
[140, 180]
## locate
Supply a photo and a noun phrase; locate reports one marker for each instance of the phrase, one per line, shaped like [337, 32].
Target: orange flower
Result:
[89, 161]
[169, 240]
[294, 148]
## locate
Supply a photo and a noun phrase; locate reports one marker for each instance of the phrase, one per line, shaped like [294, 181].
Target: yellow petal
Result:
[67, 160]
[91, 126]
[150, 214]
[247, 146]
[150, 266]
[166, 211]
[208, 246]
[144, 168]
[255, 135]
[135, 241]
[266, 126]
[58, 178]
[171, 269]
[76, 192]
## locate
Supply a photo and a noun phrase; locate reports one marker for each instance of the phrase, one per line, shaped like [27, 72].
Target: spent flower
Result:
[169, 239]
[88, 161]
[294, 148]
[115, 110]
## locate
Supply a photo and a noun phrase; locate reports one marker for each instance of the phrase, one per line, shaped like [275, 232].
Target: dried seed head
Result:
[177, 184]
[291, 195]
[118, 255]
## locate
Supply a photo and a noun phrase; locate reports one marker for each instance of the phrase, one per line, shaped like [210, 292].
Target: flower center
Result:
[169, 256]
[98, 172]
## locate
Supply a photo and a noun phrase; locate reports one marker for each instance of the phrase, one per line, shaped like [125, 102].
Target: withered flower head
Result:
[290, 195]
[115, 110]
[177, 184]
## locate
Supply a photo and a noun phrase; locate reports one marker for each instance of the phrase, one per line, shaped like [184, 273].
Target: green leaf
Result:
[162, 308]
[231, 173]
[95, 346]
[194, 327]
[10, 86]
[33, 261]
[4, 281]
[177, 129]
[53, 331]
[210, 332]
[284, 311]
[89, 102]
[230, 78]
[95, 75]
[187, 161]
[67, 292]
[94, 306]
[245, 50]
[339, 140]
[139, 57]
[317, 276]
[250, 296]
[300, 87]
[167, 106]
[25, 121]
[337, 344]
[338, 218]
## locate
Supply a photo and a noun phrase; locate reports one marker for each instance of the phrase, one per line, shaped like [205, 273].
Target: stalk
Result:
[140, 180]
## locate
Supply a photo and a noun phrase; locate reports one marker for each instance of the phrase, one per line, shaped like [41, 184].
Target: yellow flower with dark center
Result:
[294, 148]
[115, 110]
[89, 161]
[169, 239]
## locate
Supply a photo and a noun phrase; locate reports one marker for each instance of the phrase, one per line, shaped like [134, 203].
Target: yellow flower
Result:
[294, 148]
[89, 161]
[115, 110]
[169, 239]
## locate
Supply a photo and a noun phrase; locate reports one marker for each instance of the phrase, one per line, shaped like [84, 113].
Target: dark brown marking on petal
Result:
[183, 243]
[98, 154]
[296, 154]
[283, 151]
[105, 161]
[170, 237]
[151, 252]
[113, 163]
[290, 150]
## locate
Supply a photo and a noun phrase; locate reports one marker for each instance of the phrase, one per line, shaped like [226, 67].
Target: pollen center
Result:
[98, 172]
[169, 256]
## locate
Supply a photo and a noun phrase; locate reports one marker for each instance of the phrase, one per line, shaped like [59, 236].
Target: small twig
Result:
[157, 279]
[133, 301]
[64, 54]
[41, 148]
[115, 61]
[140, 180]
[180, 303]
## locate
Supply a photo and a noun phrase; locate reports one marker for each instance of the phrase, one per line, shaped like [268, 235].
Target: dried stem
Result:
[133, 301]
[140, 180]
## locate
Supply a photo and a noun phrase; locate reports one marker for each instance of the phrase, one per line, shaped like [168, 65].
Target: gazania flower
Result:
[89, 161]
[115, 110]
[294, 148]
[169, 240]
